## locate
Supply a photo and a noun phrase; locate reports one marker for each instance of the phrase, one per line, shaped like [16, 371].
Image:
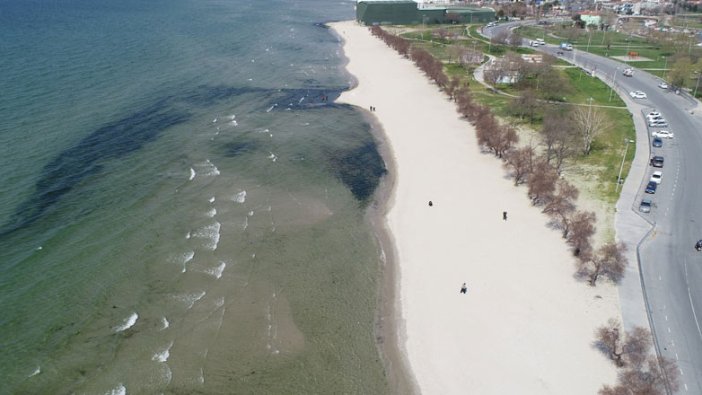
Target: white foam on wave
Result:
[162, 356]
[212, 199]
[214, 120]
[251, 213]
[272, 107]
[127, 323]
[210, 234]
[219, 302]
[167, 374]
[35, 372]
[201, 379]
[207, 168]
[185, 257]
[240, 197]
[232, 117]
[192, 174]
[191, 298]
[164, 323]
[272, 157]
[216, 272]
[246, 222]
[211, 212]
[187, 236]
[118, 390]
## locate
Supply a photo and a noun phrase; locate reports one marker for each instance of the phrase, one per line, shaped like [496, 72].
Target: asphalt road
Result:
[671, 269]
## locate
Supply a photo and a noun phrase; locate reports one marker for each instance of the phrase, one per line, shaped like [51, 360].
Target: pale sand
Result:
[526, 325]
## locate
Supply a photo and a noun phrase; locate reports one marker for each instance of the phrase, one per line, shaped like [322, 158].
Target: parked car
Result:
[645, 206]
[663, 85]
[657, 142]
[658, 124]
[664, 134]
[540, 41]
[657, 177]
[698, 245]
[653, 114]
[651, 187]
[655, 118]
[657, 161]
[638, 95]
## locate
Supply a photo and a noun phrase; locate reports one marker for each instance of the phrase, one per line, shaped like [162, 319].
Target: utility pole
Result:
[619, 177]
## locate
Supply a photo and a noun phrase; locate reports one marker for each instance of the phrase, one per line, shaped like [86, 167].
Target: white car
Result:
[638, 95]
[664, 134]
[656, 177]
[628, 72]
[654, 115]
[540, 41]
[658, 124]
[663, 85]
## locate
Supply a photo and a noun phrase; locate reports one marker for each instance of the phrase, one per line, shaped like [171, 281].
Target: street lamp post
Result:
[619, 177]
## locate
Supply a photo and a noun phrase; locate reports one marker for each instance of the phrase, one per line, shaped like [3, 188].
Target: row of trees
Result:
[642, 372]
[540, 172]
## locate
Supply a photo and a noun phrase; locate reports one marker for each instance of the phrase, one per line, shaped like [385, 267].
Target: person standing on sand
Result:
[430, 203]
[504, 216]
[464, 288]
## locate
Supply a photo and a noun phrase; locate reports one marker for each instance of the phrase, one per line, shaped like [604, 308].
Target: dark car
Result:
[657, 142]
[645, 206]
[698, 246]
[657, 161]
[651, 187]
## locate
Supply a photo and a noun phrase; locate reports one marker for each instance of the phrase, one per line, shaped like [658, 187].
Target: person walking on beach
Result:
[504, 216]
[464, 288]
[430, 203]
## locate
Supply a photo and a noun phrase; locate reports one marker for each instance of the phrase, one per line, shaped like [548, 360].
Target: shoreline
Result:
[525, 325]
[390, 331]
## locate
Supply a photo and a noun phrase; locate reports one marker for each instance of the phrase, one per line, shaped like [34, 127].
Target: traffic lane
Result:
[671, 314]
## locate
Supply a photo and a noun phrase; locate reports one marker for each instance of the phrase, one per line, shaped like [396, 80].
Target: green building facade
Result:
[404, 12]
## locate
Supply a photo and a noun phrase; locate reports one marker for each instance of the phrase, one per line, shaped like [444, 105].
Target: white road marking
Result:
[692, 305]
[668, 329]
[666, 318]
[676, 357]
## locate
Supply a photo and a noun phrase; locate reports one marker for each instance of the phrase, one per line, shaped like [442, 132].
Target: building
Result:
[407, 12]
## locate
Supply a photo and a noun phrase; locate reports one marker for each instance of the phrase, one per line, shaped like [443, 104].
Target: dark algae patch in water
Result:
[360, 169]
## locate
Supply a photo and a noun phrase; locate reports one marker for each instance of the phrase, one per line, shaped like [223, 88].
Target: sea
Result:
[183, 206]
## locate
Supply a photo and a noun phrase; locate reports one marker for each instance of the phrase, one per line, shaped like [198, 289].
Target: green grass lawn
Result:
[602, 165]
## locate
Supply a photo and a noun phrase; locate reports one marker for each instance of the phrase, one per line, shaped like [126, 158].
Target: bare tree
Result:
[562, 205]
[525, 105]
[521, 162]
[500, 38]
[650, 379]
[609, 340]
[624, 348]
[582, 227]
[589, 122]
[609, 261]
[456, 52]
[680, 71]
[637, 346]
[514, 39]
[541, 182]
[558, 137]
[494, 137]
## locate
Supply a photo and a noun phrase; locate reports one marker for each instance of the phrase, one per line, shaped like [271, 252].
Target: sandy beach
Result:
[525, 325]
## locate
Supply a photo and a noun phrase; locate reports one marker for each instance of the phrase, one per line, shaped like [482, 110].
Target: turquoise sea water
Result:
[182, 204]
